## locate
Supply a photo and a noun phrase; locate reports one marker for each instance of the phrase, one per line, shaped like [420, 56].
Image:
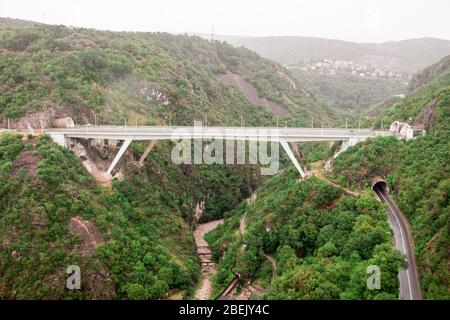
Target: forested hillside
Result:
[143, 246]
[430, 73]
[321, 241]
[426, 105]
[351, 93]
[418, 172]
[143, 78]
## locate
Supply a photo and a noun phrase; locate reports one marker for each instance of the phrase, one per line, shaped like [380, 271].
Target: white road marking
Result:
[403, 242]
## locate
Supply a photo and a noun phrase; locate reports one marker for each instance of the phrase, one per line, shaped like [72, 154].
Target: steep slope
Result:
[111, 77]
[419, 173]
[131, 241]
[320, 240]
[42, 188]
[420, 107]
[430, 73]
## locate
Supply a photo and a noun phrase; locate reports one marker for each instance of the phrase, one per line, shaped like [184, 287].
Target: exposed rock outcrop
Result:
[27, 162]
[428, 114]
[90, 235]
[252, 94]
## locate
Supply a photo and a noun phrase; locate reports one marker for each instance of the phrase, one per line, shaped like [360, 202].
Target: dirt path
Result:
[242, 224]
[242, 230]
[204, 253]
[273, 263]
[250, 290]
[316, 171]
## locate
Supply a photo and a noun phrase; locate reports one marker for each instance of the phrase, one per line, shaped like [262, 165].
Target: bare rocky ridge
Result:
[428, 114]
[251, 93]
[90, 235]
[28, 162]
[96, 281]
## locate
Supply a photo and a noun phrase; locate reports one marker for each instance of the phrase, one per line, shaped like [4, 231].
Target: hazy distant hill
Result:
[401, 56]
[218, 37]
[17, 23]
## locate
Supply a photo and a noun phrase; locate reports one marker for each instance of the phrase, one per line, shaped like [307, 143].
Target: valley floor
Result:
[204, 252]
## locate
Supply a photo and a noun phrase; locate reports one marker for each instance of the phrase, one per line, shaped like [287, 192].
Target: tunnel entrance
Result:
[379, 183]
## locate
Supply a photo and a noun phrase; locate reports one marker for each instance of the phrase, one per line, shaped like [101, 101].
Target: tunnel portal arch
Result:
[379, 182]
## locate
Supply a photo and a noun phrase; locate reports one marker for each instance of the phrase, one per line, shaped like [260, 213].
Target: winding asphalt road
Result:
[408, 278]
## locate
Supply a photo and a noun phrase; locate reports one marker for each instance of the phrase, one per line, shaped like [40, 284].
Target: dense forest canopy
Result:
[418, 172]
[352, 93]
[321, 240]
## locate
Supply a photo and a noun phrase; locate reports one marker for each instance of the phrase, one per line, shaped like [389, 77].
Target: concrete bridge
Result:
[283, 135]
[408, 278]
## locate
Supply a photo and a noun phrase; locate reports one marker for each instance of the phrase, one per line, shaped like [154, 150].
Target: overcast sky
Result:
[353, 20]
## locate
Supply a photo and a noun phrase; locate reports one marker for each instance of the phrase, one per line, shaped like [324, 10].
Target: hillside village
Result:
[332, 67]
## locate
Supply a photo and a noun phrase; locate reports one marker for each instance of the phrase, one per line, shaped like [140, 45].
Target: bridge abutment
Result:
[59, 138]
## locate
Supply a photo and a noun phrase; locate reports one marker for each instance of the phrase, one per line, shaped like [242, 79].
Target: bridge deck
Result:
[225, 133]
[273, 134]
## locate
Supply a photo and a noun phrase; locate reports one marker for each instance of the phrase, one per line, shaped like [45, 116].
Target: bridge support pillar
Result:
[147, 151]
[119, 155]
[288, 150]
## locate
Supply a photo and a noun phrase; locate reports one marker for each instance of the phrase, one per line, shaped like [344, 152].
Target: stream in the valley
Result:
[204, 253]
